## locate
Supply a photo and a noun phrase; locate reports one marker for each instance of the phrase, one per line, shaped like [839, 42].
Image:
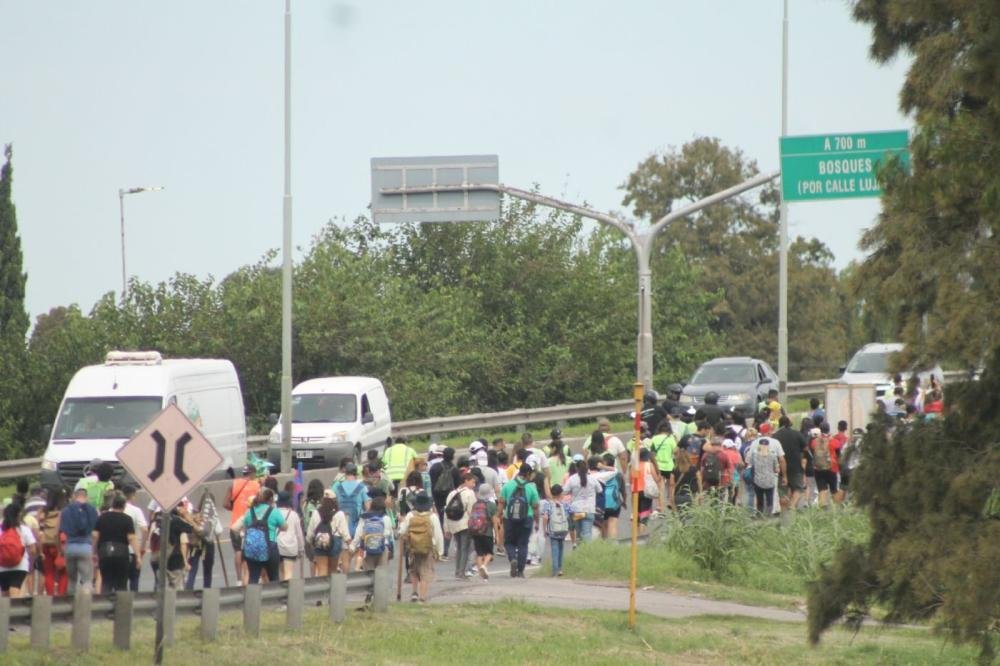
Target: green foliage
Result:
[13, 317]
[733, 245]
[714, 534]
[934, 552]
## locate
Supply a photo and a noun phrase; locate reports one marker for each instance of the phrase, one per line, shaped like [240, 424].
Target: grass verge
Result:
[507, 633]
[725, 554]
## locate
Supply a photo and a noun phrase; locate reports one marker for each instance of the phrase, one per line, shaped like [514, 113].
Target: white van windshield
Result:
[105, 418]
[870, 362]
[324, 408]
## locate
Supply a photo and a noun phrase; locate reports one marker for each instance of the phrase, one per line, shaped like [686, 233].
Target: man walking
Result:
[519, 506]
[396, 460]
[77, 523]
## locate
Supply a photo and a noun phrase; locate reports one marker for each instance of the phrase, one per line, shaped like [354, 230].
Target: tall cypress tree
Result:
[13, 319]
[13, 316]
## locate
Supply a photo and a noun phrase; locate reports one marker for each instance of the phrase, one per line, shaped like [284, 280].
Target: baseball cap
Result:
[814, 432]
[692, 411]
[435, 448]
[350, 468]
[578, 457]
[476, 445]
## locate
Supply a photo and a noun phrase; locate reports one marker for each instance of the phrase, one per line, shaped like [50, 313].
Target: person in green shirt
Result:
[518, 505]
[662, 448]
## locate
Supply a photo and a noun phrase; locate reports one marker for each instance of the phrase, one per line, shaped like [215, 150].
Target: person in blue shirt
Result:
[262, 506]
[77, 522]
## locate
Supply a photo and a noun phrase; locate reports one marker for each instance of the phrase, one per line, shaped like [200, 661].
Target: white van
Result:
[333, 418]
[105, 405]
[870, 365]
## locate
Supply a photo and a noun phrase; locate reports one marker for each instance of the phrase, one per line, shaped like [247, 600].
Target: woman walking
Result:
[53, 563]
[17, 549]
[291, 543]
[113, 534]
[327, 532]
[260, 548]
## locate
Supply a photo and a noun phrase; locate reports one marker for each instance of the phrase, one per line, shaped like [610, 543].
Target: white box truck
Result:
[332, 418]
[106, 405]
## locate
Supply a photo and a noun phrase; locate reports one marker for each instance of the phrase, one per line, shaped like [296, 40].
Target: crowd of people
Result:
[515, 500]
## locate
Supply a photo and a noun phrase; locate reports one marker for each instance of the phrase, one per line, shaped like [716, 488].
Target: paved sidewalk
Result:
[567, 593]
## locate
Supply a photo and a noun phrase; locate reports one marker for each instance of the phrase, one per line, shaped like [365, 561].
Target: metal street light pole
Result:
[642, 243]
[121, 211]
[783, 217]
[286, 260]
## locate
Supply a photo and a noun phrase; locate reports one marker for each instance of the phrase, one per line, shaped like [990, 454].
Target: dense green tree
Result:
[933, 256]
[734, 247]
[13, 317]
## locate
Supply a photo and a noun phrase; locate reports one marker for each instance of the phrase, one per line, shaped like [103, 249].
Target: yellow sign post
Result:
[638, 389]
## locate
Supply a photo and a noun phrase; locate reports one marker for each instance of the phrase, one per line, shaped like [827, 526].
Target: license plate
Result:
[303, 454]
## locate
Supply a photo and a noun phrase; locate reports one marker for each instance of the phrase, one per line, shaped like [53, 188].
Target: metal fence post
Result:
[41, 621]
[251, 609]
[338, 597]
[295, 600]
[122, 631]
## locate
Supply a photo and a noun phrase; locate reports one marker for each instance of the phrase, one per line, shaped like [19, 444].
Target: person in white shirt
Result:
[141, 527]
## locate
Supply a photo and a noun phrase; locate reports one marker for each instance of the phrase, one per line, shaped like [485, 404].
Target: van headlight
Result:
[337, 437]
[49, 465]
[686, 399]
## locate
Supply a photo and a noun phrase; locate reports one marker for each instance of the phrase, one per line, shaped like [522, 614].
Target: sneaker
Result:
[414, 598]
[469, 574]
[444, 558]
[483, 573]
[559, 574]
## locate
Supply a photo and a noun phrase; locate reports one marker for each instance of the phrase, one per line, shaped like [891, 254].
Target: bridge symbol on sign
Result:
[169, 457]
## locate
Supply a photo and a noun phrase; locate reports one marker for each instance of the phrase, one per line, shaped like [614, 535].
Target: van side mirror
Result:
[843, 369]
[272, 418]
[368, 417]
[44, 432]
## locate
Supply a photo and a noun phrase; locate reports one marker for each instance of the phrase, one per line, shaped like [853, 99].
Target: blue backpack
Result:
[350, 502]
[257, 541]
[373, 535]
[612, 493]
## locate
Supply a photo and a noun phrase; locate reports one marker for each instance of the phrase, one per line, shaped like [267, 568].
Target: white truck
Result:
[106, 405]
[333, 418]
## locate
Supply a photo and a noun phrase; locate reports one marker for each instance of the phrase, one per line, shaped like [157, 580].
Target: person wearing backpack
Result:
[327, 532]
[457, 509]
[614, 497]
[716, 468]
[291, 541]
[444, 479]
[686, 483]
[482, 519]
[518, 504]
[114, 534]
[261, 526]
[825, 464]
[424, 538]
[53, 562]
[77, 523]
[763, 460]
[352, 496]
[373, 537]
[97, 483]
[555, 517]
[17, 549]
[662, 447]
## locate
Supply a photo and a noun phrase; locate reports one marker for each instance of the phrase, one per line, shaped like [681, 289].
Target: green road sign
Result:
[837, 166]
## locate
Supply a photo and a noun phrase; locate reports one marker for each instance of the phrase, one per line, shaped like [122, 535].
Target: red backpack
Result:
[11, 548]
[479, 521]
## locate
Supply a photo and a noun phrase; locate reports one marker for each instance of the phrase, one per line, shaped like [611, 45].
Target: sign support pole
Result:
[161, 575]
[638, 389]
[783, 241]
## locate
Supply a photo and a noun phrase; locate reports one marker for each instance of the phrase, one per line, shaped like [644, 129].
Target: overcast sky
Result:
[571, 95]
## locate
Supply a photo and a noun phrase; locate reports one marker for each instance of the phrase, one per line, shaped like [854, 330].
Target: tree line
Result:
[537, 308]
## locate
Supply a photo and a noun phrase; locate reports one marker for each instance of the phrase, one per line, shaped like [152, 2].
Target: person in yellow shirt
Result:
[777, 411]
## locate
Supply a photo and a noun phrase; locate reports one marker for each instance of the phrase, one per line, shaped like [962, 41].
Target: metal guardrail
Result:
[471, 422]
[81, 610]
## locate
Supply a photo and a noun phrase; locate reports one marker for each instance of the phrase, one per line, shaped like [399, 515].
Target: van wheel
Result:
[357, 455]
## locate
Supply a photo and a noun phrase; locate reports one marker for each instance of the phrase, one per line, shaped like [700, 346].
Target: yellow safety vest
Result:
[396, 459]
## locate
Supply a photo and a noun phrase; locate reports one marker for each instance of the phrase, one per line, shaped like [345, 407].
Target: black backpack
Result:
[456, 508]
[711, 468]
[517, 508]
[446, 480]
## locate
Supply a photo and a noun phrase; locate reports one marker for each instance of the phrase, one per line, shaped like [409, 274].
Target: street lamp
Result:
[121, 210]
